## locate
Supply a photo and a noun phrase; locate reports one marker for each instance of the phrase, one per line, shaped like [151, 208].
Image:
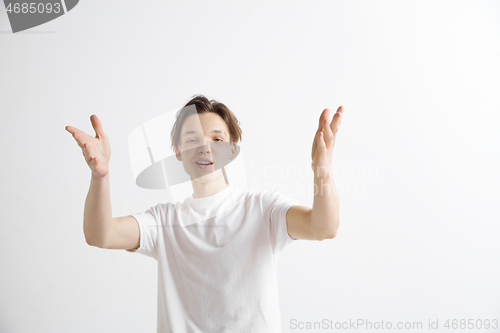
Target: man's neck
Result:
[202, 190]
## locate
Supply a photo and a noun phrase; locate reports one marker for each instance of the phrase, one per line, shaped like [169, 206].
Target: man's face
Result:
[204, 146]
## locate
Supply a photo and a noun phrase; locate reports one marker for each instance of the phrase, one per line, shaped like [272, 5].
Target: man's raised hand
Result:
[323, 143]
[96, 150]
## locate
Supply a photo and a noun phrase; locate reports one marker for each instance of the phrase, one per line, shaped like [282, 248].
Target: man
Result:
[217, 250]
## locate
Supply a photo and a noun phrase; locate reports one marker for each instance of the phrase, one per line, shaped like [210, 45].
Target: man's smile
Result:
[204, 163]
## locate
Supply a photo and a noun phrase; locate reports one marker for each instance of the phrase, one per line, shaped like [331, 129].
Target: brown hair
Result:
[203, 105]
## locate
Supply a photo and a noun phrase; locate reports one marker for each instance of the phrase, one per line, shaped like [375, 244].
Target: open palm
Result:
[323, 143]
[96, 150]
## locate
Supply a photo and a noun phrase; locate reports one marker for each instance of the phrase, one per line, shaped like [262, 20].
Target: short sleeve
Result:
[148, 228]
[279, 205]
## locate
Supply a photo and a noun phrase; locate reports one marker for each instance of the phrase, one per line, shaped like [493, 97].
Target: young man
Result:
[217, 250]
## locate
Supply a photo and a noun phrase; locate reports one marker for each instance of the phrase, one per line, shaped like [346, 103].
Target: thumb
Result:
[97, 125]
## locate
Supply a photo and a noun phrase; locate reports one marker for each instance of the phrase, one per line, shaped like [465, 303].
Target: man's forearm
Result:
[97, 219]
[325, 210]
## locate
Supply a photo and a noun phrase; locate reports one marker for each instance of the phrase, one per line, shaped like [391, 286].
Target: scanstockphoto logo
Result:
[29, 14]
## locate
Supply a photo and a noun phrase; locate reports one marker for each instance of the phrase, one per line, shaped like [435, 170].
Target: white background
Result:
[417, 152]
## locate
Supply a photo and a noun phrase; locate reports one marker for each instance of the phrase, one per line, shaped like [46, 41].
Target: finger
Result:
[91, 148]
[78, 135]
[69, 129]
[324, 115]
[97, 125]
[321, 141]
[328, 134]
[87, 153]
[87, 157]
[315, 144]
[91, 161]
[74, 130]
[336, 120]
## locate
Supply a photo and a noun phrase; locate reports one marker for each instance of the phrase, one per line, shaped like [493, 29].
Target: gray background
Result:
[416, 154]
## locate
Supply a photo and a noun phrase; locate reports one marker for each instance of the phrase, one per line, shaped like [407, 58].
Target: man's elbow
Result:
[328, 235]
[93, 243]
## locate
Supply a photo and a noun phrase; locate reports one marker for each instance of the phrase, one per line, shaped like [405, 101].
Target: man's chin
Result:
[208, 177]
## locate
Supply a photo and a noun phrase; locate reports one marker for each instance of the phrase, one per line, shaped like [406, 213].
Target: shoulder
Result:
[161, 208]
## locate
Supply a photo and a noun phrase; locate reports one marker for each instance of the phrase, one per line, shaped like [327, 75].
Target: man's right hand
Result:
[96, 150]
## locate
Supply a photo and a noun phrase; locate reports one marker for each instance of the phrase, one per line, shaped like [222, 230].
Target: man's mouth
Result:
[204, 162]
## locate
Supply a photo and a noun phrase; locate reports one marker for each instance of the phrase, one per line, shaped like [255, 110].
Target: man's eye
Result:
[219, 139]
[189, 140]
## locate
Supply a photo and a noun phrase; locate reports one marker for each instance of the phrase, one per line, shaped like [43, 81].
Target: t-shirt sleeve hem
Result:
[147, 234]
[141, 234]
[287, 235]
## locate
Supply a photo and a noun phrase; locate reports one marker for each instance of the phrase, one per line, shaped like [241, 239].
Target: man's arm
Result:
[100, 229]
[97, 219]
[322, 221]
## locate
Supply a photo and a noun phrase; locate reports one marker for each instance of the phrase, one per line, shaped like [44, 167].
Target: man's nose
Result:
[205, 146]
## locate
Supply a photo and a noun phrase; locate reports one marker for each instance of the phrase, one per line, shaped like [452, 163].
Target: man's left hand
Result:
[324, 141]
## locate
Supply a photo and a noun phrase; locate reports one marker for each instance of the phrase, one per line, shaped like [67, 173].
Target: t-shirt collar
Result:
[210, 200]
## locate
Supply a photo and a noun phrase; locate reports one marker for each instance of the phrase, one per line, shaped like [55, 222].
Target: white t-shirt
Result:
[217, 260]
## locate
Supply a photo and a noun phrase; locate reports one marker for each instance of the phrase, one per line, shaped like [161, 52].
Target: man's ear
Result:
[178, 155]
[233, 151]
